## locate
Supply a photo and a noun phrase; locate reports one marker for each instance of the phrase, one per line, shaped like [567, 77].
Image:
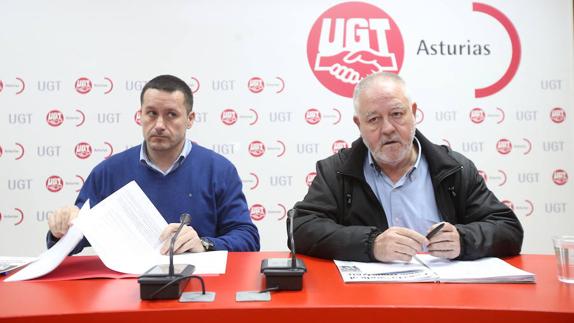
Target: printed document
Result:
[51, 258]
[11, 263]
[433, 269]
[124, 231]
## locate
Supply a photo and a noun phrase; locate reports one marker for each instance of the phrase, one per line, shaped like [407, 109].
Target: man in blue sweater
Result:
[178, 176]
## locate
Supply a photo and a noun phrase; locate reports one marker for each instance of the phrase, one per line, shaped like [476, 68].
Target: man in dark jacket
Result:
[377, 200]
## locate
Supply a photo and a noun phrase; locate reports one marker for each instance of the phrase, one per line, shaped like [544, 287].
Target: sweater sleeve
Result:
[235, 230]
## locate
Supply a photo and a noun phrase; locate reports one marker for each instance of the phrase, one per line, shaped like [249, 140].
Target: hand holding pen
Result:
[435, 230]
[445, 241]
[402, 244]
[429, 235]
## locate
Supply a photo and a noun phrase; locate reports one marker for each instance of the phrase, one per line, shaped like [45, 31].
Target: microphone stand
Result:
[156, 283]
[184, 219]
[285, 273]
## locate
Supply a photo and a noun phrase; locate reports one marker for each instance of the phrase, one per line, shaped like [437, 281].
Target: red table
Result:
[324, 298]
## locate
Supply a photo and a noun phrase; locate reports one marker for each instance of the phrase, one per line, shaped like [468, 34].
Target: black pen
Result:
[435, 230]
[431, 234]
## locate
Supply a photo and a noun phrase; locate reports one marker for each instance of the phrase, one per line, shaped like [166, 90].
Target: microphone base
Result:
[162, 286]
[280, 275]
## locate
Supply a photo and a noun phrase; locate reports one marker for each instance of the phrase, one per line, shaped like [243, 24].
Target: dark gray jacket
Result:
[340, 216]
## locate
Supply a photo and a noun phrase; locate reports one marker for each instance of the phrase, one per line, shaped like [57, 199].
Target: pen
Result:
[431, 234]
[435, 230]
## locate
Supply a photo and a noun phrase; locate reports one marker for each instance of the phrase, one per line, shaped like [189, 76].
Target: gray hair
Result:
[387, 76]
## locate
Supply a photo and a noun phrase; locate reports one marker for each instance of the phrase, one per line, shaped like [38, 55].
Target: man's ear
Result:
[190, 119]
[357, 121]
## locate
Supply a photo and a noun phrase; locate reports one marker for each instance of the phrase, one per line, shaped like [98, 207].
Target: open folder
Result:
[433, 269]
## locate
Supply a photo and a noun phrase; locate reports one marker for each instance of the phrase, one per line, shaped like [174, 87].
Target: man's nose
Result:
[159, 124]
[386, 126]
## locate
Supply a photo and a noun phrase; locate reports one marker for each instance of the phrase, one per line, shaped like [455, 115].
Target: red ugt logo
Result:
[350, 41]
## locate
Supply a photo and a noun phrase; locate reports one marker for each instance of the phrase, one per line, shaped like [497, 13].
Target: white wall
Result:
[219, 46]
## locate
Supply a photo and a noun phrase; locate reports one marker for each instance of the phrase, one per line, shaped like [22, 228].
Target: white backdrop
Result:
[71, 73]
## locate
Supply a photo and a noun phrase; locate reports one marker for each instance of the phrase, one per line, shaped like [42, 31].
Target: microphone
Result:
[160, 282]
[285, 273]
[294, 261]
[184, 219]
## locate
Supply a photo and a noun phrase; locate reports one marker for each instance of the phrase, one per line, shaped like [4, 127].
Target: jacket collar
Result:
[437, 156]
[353, 159]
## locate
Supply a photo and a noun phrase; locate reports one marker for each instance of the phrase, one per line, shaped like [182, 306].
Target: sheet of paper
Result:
[487, 270]
[380, 267]
[353, 271]
[11, 263]
[54, 256]
[213, 262]
[124, 230]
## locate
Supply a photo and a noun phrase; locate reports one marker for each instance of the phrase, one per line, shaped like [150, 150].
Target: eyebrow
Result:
[394, 107]
[399, 105]
[167, 109]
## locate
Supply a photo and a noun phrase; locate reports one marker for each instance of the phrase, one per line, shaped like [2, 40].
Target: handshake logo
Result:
[350, 41]
[352, 66]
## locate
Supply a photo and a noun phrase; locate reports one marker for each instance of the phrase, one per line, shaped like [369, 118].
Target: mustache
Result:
[155, 132]
[386, 141]
[155, 135]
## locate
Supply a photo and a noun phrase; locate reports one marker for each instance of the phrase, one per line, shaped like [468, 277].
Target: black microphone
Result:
[291, 239]
[285, 273]
[165, 283]
[185, 219]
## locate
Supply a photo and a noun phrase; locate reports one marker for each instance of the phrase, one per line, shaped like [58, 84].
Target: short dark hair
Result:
[170, 83]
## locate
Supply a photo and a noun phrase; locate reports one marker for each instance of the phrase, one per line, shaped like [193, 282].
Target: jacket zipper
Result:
[447, 174]
[451, 189]
[348, 196]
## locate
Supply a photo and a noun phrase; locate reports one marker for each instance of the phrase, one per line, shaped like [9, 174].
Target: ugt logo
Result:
[350, 41]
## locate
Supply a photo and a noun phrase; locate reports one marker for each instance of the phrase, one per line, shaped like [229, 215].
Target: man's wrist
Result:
[371, 243]
[207, 244]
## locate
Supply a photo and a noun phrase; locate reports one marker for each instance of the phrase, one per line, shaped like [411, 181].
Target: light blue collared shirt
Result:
[184, 152]
[409, 202]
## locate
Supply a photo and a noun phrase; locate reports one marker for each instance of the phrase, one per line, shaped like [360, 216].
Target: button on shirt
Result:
[409, 202]
[184, 152]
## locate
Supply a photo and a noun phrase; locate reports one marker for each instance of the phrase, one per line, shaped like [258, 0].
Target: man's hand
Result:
[187, 240]
[446, 243]
[397, 243]
[60, 221]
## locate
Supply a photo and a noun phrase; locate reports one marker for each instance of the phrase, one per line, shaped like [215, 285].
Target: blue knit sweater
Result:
[205, 185]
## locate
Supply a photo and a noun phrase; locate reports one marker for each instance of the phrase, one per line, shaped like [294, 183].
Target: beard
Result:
[385, 154]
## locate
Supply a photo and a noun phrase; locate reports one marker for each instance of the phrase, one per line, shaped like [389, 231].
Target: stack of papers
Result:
[124, 231]
[433, 269]
[10, 263]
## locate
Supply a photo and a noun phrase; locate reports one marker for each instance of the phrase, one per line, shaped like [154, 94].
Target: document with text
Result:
[53, 257]
[11, 263]
[433, 269]
[124, 231]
